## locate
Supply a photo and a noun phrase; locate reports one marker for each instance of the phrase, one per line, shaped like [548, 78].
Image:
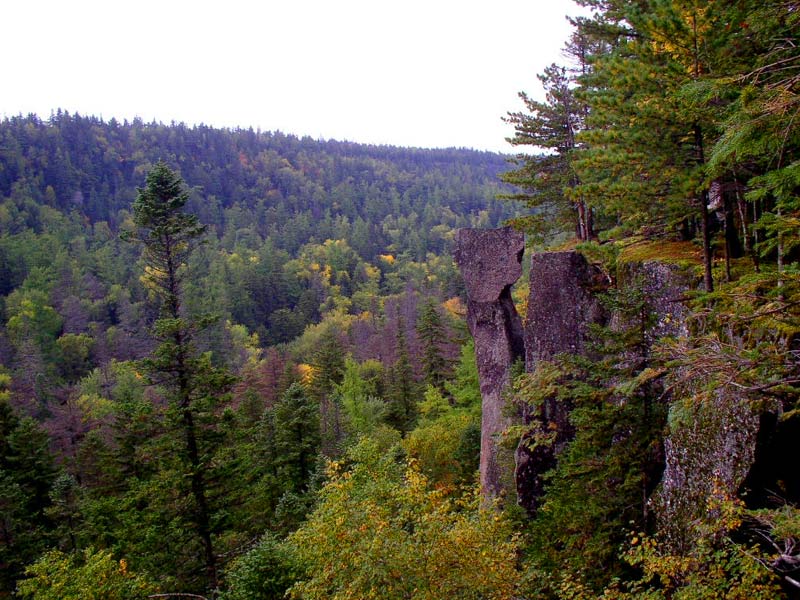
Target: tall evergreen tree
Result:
[193, 386]
[402, 391]
[654, 114]
[546, 179]
[296, 437]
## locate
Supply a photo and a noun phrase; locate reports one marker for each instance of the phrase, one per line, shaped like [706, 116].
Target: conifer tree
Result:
[193, 386]
[296, 437]
[651, 116]
[27, 473]
[432, 334]
[402, 389]
[328, 363]
[551, 126]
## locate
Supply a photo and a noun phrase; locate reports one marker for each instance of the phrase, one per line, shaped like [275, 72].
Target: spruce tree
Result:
[193, 386]
[402, 390]
[432, 334]
[296, 438]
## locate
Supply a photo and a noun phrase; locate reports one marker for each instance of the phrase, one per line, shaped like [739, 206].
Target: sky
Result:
[424, 73]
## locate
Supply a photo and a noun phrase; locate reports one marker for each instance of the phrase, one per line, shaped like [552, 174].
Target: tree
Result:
[358, 393]
[402, 388]
[296, 437]
[381, 530]
[264, 573]
[26, 476]
[328, 369]
[654, 114]
[432, 335]
[603, 476]
[760, 142]
[547, 178]
[193, 386]
[92, 575]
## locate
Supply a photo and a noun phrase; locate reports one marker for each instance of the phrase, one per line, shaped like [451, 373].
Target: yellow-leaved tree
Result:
[382, 531]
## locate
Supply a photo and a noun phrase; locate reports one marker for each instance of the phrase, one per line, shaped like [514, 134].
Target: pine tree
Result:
[760, 143]
[546, 178]
[654, 114]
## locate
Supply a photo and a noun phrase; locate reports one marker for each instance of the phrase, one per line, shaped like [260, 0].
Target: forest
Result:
[314, 299]
[235, 364]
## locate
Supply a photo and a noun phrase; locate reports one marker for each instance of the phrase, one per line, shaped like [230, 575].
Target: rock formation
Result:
[718, 444]
[709, 449]
[561, 306]
[490, 262]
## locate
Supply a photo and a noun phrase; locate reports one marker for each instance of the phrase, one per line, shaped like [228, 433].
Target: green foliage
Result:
[358, 394]
[74, 355]
[167, 233]
[195, 388]
[713, 570]
[108, 349]
[381, 531]
[263, 573]
[446, 448]
[402, 389]
[432, 336]
[465, 387]
[30, 317]
[90, 575]
[600, 485]
[547, 178]
[296, 437]
[26, 474]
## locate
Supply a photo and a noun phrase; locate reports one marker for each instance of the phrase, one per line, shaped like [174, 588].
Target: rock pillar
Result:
[490, 263]
[561, 306]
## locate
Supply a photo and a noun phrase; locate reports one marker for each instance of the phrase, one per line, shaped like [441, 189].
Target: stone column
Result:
[561, 306]
[490, 262]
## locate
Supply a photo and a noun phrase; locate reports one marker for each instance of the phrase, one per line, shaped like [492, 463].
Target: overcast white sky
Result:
[428, 73]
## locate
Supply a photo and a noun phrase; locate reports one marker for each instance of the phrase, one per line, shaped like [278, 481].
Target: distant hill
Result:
[292, 190]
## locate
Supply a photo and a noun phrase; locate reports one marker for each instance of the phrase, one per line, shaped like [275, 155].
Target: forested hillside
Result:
[235, 364]
[265, 194]
[311, 298]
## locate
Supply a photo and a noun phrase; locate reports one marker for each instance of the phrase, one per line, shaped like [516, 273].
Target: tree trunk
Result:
[198, 484]
[705, 220]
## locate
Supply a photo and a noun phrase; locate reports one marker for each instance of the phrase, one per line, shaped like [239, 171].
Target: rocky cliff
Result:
[562, 303]
[708, 449]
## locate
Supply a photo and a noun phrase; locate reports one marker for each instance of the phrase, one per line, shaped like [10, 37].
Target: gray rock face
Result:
[490, 262]
[709, 452]
[664, 285]
[561, 306]
[711, 445]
